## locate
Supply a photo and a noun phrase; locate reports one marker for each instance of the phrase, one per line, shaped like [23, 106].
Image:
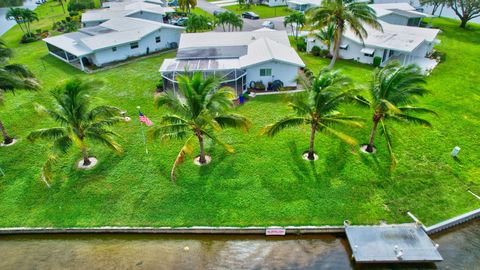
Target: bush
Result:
[73, 13]
[79, 5]
[301, 45]
[315, 50]
[377, 60]
[324, 53]
[28, 38]
[441, 56]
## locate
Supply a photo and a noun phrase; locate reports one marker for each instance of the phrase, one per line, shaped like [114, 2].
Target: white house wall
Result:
[276, 3]
[124, 51]
[280, 71]
[147, 16]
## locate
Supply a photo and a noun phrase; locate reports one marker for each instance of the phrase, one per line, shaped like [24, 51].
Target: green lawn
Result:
[265, 181]
[263, 11]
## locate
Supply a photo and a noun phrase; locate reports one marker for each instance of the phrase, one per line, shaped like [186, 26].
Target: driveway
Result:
[248, 25]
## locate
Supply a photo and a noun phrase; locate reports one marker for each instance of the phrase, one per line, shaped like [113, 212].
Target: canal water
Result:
[6, 24]
[459, 247]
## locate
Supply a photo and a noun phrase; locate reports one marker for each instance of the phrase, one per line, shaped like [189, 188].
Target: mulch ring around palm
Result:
[196, 160]
[305, 156]
[93, 162]
[363, 148]
[10, 144]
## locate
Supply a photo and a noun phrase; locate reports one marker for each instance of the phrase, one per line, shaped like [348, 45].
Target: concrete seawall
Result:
[176, 230]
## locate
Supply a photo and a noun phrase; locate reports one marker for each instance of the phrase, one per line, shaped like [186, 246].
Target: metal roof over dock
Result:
[394, 243]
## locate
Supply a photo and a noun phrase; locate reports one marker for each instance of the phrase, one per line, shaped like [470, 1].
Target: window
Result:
[343, 46]
[114, 49]
[134, 45]
[368, 54]
[158, 39]
[264, 72]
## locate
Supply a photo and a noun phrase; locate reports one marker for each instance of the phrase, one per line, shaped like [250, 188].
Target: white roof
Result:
[265, 49]
[262, 46]
[305, 2]
[395, 37]
[121, 9]
[70, 42]
[216, 39]
[402, 9]
[111, 33]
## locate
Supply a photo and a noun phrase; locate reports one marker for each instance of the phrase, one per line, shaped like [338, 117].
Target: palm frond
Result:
[287, 122]
[214, 138]
[46, 172]
[233, 120]
[410, 119]
[187, 149]
[103, 111]
[406, 109]
[62, 144]
[47, 133]
[386, 134]
[342, 136]
[104, 137]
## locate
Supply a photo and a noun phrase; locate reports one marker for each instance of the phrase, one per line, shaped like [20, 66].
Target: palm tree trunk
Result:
[6, 138]
[86, 160]
[201, 141]
[376, 119]
[63, 7]
[311, 152]
[336, 45]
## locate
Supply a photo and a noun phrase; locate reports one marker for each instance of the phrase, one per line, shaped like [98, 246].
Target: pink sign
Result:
[275, 231]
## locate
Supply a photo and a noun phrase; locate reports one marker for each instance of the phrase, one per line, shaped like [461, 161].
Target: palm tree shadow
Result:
[372, 161]
[300, 170]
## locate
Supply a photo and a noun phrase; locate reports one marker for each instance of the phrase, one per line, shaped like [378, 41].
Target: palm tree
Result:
[29, 17]
[199, 110]
[344, 14]
[393, 91]
[63, 6]
[296, 21]
[78, 123]
[326, 35]
[230, 19]
[317, 107]
[13, 77]
[196, 23]
[16, 14]
[22, 16]
[187, 5]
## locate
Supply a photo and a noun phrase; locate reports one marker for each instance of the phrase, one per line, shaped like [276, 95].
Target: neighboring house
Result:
[274, 3]
[237, 58]
[133, 9]
[406, 44]
[399, 13]
[302, 5]
[114, 40]
[122, 30]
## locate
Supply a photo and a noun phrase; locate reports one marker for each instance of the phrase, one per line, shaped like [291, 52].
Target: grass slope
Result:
[265, 182]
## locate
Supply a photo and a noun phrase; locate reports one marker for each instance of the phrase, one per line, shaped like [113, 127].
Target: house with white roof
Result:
[116, 35]
[302, 5]
[141, 9]
[399, 39]
[399, 13]
[406, 44]
[237, 58]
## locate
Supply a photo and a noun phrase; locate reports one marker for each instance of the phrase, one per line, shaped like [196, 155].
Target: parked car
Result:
[250, 15]
[180, 21]
[268, 24]
[218, 11]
